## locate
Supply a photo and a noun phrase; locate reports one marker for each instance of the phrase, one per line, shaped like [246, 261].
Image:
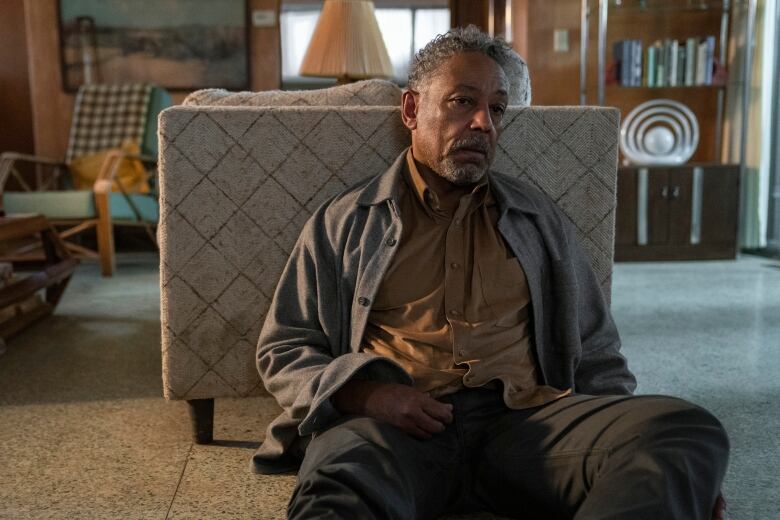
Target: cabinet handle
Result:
[665, 192]
[675, 192]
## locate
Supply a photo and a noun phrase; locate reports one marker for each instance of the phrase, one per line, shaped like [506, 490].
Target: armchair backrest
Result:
[371, 92]
[238, 183]
[106, 115]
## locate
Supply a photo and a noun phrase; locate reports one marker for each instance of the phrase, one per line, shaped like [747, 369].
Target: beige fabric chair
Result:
[238, 183]
[375, 92]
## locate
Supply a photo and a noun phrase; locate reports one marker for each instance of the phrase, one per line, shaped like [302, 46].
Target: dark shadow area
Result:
[235, 444]
[102, 342]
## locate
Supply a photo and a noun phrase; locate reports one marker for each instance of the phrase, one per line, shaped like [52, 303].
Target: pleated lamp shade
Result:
[347, 43]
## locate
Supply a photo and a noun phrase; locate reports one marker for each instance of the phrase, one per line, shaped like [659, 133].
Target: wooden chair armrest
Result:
[8, 159]
[105, 182]
[13, 157]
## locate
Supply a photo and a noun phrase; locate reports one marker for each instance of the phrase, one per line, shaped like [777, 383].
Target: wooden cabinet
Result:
[685, 212]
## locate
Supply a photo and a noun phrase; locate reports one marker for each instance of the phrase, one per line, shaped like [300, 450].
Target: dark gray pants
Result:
[583, 457]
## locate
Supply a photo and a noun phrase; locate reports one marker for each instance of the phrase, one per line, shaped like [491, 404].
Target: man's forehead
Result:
[500, 91]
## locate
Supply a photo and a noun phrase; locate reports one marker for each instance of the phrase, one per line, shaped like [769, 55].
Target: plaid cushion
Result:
[106, 115]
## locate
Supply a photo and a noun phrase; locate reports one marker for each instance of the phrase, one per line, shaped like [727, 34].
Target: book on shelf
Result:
[701, 63]
[671, 56]
[710, 57]
[622, 54]
[667, 63]
[691, 48]
[628, 56]
[650, 66]
[660, 68]
[636, 63]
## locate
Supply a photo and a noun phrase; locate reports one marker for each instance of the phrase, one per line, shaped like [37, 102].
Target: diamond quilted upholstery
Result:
[368, 92]
[238, 183]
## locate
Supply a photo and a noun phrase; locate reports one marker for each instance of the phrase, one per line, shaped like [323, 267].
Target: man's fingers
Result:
[442, 412]
[427, 423]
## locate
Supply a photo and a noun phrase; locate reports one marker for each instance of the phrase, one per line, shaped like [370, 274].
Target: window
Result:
[404, 29]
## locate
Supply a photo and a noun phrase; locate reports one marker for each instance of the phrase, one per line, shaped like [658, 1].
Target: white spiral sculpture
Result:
[659, 132]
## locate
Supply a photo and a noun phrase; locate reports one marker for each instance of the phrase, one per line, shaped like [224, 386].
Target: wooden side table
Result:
[19, 305]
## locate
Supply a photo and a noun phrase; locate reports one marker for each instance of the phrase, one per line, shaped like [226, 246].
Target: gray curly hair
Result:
[471, 39]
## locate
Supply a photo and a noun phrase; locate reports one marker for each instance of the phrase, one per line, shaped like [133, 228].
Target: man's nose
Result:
[482, 120]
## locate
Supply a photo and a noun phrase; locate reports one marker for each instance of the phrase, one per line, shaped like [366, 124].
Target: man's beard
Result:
[467, 173]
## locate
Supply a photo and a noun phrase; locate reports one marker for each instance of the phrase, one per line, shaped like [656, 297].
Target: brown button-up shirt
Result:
[453, 307]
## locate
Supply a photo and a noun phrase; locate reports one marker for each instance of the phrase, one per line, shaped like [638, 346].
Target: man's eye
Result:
[462, 101]
[498, 109]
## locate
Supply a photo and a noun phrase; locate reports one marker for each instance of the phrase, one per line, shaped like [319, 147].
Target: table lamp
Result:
[347, 43]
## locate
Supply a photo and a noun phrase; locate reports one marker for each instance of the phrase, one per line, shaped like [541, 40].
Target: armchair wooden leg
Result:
[105, 235]
[202, 415]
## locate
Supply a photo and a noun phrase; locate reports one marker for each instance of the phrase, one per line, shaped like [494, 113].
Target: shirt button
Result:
[391, 242]
[454, 265]
[457, 222]
[364, 301]
[462, 352]
[454, 312]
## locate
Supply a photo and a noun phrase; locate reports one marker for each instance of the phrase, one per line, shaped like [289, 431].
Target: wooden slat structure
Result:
[19, 303]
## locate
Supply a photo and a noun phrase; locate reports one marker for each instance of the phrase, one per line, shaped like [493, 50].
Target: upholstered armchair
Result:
[238, 183]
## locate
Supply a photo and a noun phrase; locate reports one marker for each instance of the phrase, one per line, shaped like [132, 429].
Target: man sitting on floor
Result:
[439, 342]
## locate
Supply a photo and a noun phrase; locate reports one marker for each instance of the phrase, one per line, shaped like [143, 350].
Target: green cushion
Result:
[159, 100]
[146, 205]
[73, 204]
[77, 204]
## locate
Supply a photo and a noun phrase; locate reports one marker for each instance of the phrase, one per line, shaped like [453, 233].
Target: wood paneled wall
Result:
[488, 15]
[555, 76]
[52, 107]
[465, 12]
[16, 130]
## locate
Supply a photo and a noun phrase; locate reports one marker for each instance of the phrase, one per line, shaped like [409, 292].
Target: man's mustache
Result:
[474, 143]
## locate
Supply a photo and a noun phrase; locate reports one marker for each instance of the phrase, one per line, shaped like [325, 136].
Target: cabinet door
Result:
[720, 206]
[679, 195]
[677, 213]
[642, 216]
[657, 205]
[626, 211]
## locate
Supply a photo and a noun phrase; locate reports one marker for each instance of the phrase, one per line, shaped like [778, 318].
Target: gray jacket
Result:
[310, 343]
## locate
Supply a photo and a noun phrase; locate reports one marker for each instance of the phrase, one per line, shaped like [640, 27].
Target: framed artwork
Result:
[176, 44]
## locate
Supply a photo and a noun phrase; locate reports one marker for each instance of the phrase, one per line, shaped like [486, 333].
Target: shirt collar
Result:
[504, 190]
[480, 192]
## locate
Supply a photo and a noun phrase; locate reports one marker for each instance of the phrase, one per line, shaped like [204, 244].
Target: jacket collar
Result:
[385, 186]
[510, 193]
[514, 194]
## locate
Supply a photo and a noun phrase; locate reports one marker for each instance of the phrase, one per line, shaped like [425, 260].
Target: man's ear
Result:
[409, 100]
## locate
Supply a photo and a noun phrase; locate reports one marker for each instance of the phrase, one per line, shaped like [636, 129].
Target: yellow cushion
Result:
[131, 173]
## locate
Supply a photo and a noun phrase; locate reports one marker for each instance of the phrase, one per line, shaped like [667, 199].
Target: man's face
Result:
[456, 117]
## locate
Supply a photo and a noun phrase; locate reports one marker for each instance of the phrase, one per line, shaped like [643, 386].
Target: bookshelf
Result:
[688, 211]
[607, 22]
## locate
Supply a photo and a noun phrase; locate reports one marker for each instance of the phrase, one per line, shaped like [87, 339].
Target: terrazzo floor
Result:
[85, 433]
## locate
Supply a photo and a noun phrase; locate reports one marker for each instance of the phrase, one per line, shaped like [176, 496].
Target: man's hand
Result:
[412, 411]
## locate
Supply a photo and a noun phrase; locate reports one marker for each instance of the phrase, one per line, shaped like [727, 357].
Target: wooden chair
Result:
[105, 117]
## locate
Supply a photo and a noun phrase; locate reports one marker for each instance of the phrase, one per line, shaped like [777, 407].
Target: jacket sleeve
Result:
[299, 350]
[602, 369]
